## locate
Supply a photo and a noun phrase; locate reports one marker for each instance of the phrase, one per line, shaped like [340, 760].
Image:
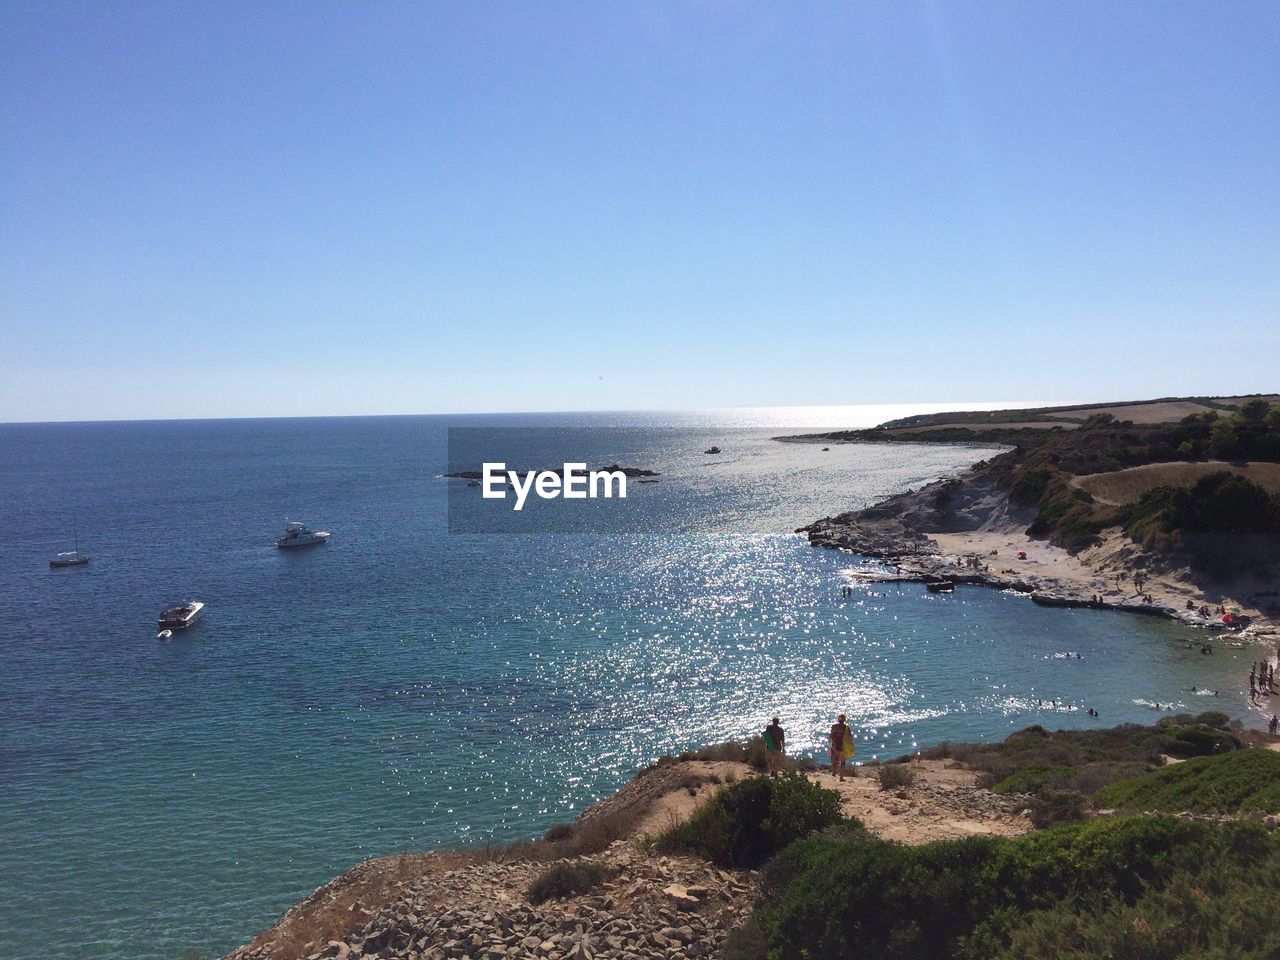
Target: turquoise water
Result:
[403, 687]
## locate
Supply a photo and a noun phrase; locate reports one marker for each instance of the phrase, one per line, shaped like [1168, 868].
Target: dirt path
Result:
[944, 802]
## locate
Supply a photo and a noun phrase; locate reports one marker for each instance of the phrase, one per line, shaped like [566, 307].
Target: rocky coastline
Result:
[986, 543]
[915, 558]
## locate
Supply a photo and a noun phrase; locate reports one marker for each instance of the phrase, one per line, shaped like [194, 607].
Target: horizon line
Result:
[984, 405]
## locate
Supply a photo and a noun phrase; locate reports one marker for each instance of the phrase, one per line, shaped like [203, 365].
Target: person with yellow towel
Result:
[841, 746]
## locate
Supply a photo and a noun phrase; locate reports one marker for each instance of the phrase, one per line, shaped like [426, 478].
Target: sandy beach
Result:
[1107, 571]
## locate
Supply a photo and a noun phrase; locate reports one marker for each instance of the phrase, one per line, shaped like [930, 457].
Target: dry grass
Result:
[336, 909]
[568, 879]
[896, 775]
[1126, 486]
[948, 750]
[1170, 411]
[1011, 425]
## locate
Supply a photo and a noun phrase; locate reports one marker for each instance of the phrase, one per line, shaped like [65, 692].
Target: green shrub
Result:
[1033, 778]
[1057, 806]
[1213, 718]
[1223, 520]
[1215, 913]
[1068, 515]
[746, 823]
[1195, 741]
[1029, 486]
[1034, 760]
[858, 896]
[566, 879]
[1238, 782]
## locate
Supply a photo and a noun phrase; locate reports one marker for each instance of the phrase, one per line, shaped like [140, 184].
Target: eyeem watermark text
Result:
[574, 482]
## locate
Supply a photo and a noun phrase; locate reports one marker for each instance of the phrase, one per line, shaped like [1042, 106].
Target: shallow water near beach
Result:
[402, 687]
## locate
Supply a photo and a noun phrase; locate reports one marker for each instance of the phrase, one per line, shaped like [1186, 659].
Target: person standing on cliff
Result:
[841, 738]
[775, 745]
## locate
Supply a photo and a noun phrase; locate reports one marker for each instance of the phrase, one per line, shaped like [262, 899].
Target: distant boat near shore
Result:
[296, 534]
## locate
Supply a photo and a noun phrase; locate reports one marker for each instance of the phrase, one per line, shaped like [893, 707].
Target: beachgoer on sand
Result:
[775, 746]
[841, 748]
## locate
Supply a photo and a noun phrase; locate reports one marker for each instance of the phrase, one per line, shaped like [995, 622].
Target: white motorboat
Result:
[164, 634]
[296, 534]
[180, 616]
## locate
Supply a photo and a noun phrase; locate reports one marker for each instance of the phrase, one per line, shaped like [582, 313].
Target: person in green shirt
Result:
[775, 745]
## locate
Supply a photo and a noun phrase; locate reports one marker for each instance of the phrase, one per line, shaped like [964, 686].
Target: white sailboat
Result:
[70, 558]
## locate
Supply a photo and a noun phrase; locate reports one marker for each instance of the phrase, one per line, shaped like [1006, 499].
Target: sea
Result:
[422, 681]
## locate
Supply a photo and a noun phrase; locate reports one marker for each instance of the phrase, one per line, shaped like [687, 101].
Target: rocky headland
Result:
[1066, 540]
[476, 903]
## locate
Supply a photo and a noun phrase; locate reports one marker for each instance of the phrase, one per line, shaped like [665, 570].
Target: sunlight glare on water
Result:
[402, 688]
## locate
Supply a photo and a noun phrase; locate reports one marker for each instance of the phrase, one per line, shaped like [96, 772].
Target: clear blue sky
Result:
[237, 209]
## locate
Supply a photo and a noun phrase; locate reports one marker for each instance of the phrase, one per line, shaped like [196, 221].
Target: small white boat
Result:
[180, 617]
[164, 634]
[297, 535]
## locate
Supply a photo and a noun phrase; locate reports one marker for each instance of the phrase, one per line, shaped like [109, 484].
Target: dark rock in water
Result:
[712, 450]
[1054, 600]
[612, 468]
[884, 537]
[630, 471]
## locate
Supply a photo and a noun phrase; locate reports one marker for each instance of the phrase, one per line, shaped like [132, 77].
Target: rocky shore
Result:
[477, 904]
[965, 530]
[650, 907]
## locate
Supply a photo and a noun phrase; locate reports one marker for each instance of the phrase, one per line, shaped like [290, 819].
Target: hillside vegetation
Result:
[1059, 770]
[1239, 782]
[1063, 455]
[1223, 518]
[1178, 889]
[1121, 487]
[1152, 886]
